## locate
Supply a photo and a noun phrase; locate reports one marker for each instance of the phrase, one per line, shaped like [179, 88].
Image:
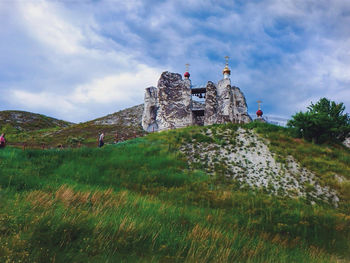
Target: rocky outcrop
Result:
[254, 165]
[127, 117]
[240, 108]
[211, 104]
[149, 117]
[174, 102]
[225, 103]
[170, 105]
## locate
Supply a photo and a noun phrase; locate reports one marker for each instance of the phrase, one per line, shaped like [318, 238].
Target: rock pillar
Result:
[149, 121]
[211, 104]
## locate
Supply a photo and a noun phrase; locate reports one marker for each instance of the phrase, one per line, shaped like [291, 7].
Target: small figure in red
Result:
[2, 140]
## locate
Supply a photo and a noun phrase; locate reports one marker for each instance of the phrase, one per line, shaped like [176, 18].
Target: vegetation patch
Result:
[241, 155]
[140, 201]
[329, 162]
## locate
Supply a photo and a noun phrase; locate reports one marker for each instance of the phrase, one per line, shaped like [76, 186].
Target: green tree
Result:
[323, 121]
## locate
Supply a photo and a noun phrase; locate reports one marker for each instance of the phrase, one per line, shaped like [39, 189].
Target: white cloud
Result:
[124, 87]
[47, 26]
[119, 89]
[42, 101]
[94, 54]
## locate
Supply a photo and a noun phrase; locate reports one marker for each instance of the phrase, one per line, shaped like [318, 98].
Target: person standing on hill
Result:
[2, 140]
[100, 139]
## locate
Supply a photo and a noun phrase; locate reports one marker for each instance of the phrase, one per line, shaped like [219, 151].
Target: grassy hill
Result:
[150, 200]
[28, 121]
[126, 123]
[22, 127]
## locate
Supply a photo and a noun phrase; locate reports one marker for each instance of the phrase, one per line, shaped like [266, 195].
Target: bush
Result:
[74, 141]
[324, 121]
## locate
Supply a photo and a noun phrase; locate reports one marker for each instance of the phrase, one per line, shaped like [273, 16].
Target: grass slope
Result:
[140, 201]
[26, 127]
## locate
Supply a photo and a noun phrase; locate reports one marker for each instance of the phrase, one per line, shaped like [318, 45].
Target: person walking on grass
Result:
[2, 140]
[100, 140]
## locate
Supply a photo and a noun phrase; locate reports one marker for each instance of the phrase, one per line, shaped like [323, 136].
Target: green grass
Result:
[138, 201]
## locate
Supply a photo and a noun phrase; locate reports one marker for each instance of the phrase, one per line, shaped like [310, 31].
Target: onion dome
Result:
[187, 74]
[226, 70]
[259, 113]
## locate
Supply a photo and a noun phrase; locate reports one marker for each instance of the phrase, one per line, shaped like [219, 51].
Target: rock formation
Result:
[224, 104]
[211, 104]
[170, 105]
[149, 116]
[240, 108]
[127, 117]
[174, 102]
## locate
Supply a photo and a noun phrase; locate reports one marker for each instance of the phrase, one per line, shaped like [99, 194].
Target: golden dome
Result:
[226, 70]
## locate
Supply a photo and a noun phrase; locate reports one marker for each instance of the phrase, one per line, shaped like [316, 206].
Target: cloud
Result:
[125, 87]
[43, 24]
[98, 56]
[121, 89]
[42, 101]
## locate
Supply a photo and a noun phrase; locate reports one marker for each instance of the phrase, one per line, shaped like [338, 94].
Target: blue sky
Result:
[78, 59]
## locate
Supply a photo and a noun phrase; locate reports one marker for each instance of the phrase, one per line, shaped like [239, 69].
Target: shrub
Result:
[324, 121]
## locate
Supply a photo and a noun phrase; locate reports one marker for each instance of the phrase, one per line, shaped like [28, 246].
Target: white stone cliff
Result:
[170, 105]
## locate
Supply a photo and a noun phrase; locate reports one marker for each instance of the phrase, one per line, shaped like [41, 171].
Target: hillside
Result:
[221, 193]
[128, 117]
[126, 123]
[27, 121]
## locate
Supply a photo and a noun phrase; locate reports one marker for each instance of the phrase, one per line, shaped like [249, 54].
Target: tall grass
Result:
[138, 201]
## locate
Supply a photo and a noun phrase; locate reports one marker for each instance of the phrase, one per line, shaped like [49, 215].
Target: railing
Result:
[273, 119]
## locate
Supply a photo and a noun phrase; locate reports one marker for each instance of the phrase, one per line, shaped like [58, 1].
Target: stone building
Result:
[171, 105]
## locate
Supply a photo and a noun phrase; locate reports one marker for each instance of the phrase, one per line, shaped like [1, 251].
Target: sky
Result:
[78, 60]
